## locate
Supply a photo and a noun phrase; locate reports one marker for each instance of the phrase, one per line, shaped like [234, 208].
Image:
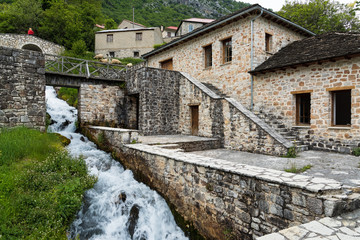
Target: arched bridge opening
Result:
[32, 47]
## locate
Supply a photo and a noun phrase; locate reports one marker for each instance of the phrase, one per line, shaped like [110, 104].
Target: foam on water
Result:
[103, 214]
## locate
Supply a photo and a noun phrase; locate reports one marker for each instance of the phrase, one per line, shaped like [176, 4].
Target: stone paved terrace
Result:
[341, 167]
[344, 227]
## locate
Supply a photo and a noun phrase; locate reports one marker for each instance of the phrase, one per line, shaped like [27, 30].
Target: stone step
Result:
[302, 148]
[167, 146]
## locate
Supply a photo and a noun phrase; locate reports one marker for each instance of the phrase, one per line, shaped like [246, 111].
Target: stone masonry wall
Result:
[22, 88]
[225, 200]
[231, 78]
[158, 92]
[20, 40]
[273, 94]
[103, 105]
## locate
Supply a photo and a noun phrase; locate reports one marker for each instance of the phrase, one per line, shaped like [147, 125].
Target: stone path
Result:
[344, 227]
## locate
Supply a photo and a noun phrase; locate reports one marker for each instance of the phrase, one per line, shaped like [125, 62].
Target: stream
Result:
[118, 207]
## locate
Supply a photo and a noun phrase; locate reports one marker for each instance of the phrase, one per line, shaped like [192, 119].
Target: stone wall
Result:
[158, 93]
[20, 41]
[165, 100]
[224, 200]
[231, 78]
[275, 93]
[22, 88]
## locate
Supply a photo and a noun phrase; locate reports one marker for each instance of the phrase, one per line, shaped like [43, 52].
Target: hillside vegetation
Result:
[41, 186]
[71, 23]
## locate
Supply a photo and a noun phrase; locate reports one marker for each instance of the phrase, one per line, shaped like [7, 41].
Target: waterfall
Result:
[118, 207]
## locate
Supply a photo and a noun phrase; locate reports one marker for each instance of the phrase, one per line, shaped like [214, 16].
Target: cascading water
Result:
[118, 207]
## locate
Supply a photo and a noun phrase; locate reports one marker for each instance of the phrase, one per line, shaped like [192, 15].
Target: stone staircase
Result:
[273, 121]
[277, 124]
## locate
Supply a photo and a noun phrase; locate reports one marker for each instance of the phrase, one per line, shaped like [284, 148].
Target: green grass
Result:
[130, 60]
[294, 169]
[356, 151]
[70, 95]
[41, 186]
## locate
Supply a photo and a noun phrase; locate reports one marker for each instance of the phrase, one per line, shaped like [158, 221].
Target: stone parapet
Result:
[22, 88]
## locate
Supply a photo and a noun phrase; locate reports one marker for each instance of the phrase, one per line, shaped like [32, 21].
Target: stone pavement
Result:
[344, 227]
[341, 167]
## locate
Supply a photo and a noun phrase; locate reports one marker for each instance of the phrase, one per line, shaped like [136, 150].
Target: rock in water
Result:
[82, 139]
[133, 219]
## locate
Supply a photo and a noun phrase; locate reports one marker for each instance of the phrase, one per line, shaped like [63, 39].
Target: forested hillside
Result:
[168, 12]
[71, 23]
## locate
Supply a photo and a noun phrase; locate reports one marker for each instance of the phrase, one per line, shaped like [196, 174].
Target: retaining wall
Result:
[225, 200]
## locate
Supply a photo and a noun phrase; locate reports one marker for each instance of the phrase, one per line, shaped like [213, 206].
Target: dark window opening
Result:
[268, 42]
[138, 36]
[208, 56]
[136, 54]
[112, 54]
[194, 120]
[303, 109]
[109, 38]
[227, 50]
[341, 107]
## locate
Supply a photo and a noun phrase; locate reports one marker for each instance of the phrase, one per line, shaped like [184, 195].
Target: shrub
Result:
[79, 47]
[159, 45]
[70, 95]
[356, 151]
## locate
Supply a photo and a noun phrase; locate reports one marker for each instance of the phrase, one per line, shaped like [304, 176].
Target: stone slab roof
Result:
[242, 13]
[328, 46]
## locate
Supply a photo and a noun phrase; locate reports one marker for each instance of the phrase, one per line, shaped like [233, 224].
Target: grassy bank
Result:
[41, 186]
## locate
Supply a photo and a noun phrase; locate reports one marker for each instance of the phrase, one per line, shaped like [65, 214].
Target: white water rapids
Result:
[111, 208]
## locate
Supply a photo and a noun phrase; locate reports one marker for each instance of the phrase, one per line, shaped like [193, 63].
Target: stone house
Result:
[312, 85]
[303, 86]
[131, 42]
[127, 24]
[189, 25]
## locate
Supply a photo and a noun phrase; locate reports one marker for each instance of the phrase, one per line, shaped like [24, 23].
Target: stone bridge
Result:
[29, 42]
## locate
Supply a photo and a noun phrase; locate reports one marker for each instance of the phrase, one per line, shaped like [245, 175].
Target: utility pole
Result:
[133, 17]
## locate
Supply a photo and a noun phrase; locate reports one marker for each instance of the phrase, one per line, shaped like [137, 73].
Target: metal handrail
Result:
[84, 68]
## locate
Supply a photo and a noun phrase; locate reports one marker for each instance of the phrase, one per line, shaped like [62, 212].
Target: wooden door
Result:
[168, 64]
[194, 120]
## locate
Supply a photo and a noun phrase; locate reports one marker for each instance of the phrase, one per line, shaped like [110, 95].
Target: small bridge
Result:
[29, 42]
[72, 72]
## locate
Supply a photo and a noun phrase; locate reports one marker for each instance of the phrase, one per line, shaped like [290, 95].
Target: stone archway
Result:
[32, 47]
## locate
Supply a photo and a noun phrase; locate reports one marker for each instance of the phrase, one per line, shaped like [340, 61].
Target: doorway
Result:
[194, 120]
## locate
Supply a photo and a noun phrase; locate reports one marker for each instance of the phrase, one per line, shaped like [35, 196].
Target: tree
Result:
[320, 16]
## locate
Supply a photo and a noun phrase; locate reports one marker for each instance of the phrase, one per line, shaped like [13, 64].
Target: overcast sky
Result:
[277, 4]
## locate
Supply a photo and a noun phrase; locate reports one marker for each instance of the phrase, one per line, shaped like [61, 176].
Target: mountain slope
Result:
[153, 13]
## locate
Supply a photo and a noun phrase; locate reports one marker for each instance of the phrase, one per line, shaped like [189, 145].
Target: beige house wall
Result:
[273, 95]
[184, 28]
[125, 44]
[231, 78]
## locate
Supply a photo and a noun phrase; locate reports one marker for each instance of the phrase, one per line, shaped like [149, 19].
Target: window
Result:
[341, 107]
[303, 109]
[136, 54]
[208, 56]
[168, 34]
[227, 50]
[138, 37]
[112, 54]
[167, 64]
[109, 38]
[268, 42]
[191, 27]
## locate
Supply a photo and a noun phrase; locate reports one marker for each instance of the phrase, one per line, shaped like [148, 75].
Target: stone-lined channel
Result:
[118, 207]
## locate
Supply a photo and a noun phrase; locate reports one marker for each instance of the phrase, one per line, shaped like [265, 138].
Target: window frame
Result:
[301, 108]
[138, 36]
[227, 50]
[268, 42]
[138, 54]
[334, 116]
[206, 49]
[109, 38]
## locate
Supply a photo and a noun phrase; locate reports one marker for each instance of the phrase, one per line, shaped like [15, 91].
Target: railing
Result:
[84, 68]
